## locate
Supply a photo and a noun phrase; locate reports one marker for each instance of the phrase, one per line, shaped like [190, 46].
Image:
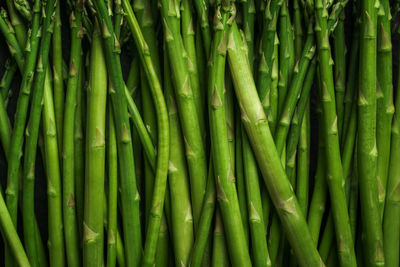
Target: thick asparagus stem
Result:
[267, 157]
[366, 142]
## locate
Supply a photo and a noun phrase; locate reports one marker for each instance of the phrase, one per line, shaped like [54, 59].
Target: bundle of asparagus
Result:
[200, 133]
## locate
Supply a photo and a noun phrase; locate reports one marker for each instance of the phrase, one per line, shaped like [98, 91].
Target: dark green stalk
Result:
[339, 56]
[286, 55]
[295, 127]
[112, 191]
[162, 144]
[366, 142]
[58, 81]
[188, 37]
[129, 193]
[298, 29]
[17, 23]
[24, 9]
[181, 210]
[274, 94]
[9, 36]
[256, 125]
[391, 222]
[205, 222]
[256, 220]
[249, 12]
[289, 105]
[69, 195]
[270, 18]
[17, 137]
[384, 101]
[5, 83]
[195, 150]
[202, 17]
[335, 181]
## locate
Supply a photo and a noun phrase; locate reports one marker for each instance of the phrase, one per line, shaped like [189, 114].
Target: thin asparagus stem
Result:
[182, 218]
[191, 130]
[260, 137]
[391, 233]
[5, 83]
[384, 101]
[58, 81]
[335, 179]
[366, 142]
[69, 170]
[220, 254]
[202, 16]
[163, 139]
[129, 193]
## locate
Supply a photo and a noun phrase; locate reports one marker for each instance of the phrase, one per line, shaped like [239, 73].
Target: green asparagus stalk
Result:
[181, 209]
[267, 157]
[5, 83]
[58, 80]
[129, 193]
[69, 171]
[195, 150]
[112, 191]
[220, 254]
[95, 155]
[391, 234]
[366, 142]
[335, 179]
[17, 23]
[163, 140]
[23, 8]
[202, 17]
[11, 39]
[384, 101]
[223, 172]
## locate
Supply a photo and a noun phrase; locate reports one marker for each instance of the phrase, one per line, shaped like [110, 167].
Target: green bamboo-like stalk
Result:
[95, 155]
[23, 8]
[295, 127]
[188, 37]
[52, 164]
[298, 29]
[70, 208]
[17, 23]
[58, 81]
[267, 157]
[202, 17]
[79, 154]
[339, 56]
[195, 150]
[335, 179]
[129, 193]
[366, 142]
[249, 12]
[302, 165]
[11, 39]
[223, 172]
[22, 107]
[162, 144]
[181, 209]
[112, 191]
[205, 222]
[256, 220]
[266, 52]
[289, 104]
[384, 101]
[274, 94]
[391, 233]
[286, 54]
[11, 235]
[239, 172]
[219, 254]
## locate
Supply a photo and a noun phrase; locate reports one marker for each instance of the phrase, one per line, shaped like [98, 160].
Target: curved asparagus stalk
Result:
[366, 142]
[11, 39]
[5, 83]
[267, 157]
